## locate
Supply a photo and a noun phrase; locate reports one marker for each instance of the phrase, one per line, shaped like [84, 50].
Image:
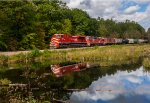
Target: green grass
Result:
[146, 63]
[107, 55]
[3, 59]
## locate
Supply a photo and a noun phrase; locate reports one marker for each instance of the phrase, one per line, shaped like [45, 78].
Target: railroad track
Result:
[10, 53]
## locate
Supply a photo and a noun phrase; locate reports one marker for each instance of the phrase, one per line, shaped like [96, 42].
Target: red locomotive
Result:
[64, 70]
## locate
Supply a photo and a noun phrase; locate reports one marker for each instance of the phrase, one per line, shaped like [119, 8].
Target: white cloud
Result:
[131, 9]
[138, 16]
[75, 3]
[146, 21]
[96, 7]
[141, 1]
[134, 79]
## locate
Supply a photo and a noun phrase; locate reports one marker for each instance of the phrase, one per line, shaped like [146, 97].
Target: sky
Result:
[119, 10]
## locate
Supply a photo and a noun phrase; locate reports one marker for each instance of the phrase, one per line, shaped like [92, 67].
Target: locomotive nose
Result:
[54, 42]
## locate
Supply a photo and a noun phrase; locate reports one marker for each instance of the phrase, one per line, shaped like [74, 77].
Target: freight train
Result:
[65, 40]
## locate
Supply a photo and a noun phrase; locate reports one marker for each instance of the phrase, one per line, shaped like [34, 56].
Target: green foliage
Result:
[3, 46]
[80, 21]
[3, 59]
[32, 41]
[128, 29]
[35, 53]
[67, 26]
[4, 81]
[148, 33]
[146, 63]
[29, 41]
[21, 57]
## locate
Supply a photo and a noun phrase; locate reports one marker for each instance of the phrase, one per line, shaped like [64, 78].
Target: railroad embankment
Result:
[105, 56]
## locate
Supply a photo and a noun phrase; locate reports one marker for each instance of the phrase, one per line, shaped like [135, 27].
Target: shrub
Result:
[3, 59]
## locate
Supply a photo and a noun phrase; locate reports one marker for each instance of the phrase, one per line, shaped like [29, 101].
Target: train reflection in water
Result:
[59, 70]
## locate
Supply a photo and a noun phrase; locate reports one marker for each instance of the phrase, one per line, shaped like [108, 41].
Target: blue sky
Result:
[120, 10]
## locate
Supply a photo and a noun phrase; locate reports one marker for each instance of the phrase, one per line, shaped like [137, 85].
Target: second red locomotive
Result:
[65, 40]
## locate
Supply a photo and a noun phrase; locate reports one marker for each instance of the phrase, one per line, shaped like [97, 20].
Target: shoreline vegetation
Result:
[105, 56]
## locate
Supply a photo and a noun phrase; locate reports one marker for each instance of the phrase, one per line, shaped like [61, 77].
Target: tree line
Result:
[29, 24]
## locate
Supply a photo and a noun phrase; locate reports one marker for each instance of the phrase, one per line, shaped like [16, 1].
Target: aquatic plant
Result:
[4, 81]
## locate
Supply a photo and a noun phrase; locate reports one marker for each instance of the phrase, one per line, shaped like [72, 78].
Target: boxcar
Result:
[136, 41]
[110, 40]
[131, 41]
[92, 40]
[118, 41]
[125, 41]
[143, 41]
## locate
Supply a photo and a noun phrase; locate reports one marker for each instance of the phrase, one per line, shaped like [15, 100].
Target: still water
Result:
[77, 83]
[121, 87]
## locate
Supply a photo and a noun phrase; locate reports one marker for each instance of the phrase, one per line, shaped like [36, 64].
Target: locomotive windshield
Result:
[59, 36]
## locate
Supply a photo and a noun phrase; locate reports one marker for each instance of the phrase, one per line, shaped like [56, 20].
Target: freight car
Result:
[65, 40]
[118, 41]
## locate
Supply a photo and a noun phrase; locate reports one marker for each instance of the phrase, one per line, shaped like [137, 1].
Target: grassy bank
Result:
[107, 55]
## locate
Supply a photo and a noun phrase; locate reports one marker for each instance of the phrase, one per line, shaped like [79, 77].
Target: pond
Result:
[75, 82]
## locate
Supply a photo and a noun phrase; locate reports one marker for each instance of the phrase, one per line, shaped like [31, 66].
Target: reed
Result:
[146, 63]
[109, 53]
[4, 81]
[114, 54]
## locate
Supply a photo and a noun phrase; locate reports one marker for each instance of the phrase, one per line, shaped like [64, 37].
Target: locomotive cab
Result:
[59, 40]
